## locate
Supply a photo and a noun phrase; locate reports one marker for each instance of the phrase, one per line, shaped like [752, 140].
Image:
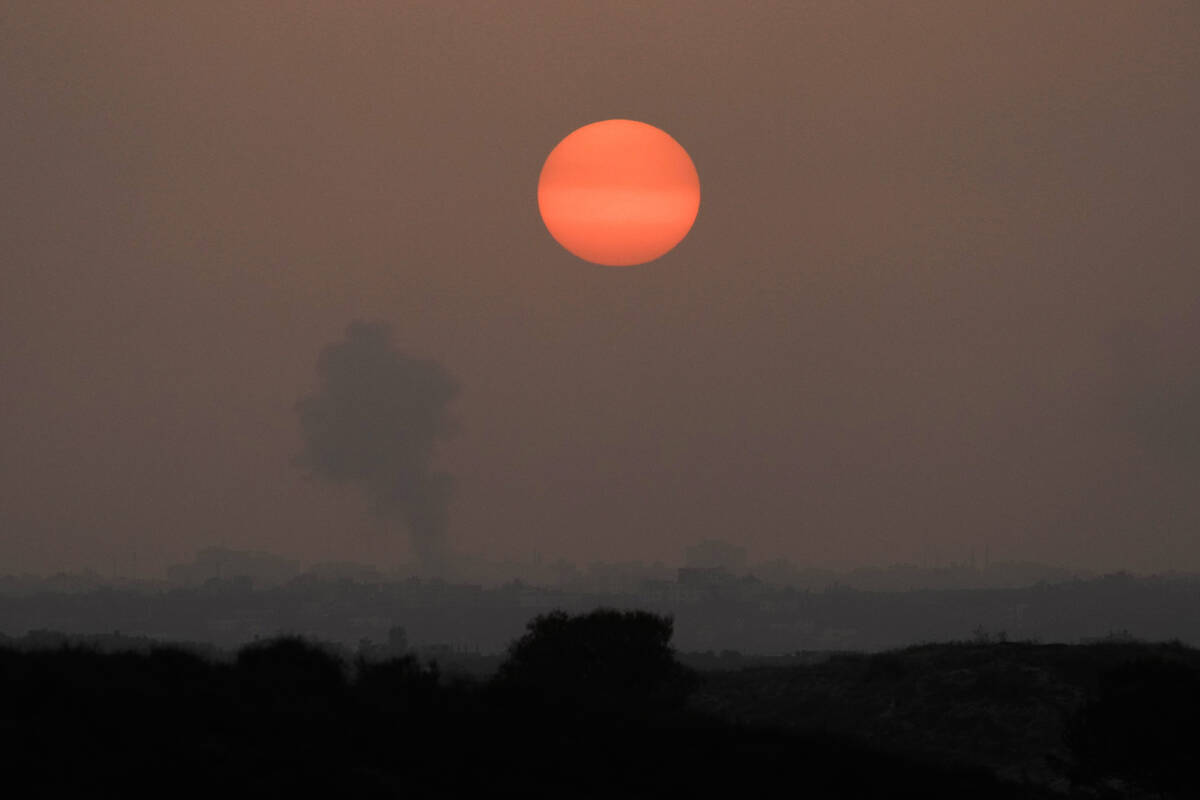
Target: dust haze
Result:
[899, 332]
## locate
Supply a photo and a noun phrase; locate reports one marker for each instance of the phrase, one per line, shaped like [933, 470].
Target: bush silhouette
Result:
[290, 674]
[399, 685]
[615, 662]
[585, 706]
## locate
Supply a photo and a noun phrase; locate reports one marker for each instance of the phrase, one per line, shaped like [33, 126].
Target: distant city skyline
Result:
[267, 570]
[227, 599]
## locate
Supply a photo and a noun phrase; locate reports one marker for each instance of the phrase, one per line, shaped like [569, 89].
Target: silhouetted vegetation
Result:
[598, 705]
[1047, 714]
[607, 662]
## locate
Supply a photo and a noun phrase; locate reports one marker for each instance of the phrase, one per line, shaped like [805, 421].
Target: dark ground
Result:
[597, 705]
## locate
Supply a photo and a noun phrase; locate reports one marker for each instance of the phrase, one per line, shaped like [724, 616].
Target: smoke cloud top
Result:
[374, 421]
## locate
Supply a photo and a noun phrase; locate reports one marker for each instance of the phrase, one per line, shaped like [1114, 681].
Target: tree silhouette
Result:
[290, 674]
[606, 661]
[398, 685]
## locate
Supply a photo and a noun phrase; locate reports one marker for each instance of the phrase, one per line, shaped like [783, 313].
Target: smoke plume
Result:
[374, 421]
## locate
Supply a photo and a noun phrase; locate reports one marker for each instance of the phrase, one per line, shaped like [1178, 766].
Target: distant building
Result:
[220, 563]
[705, 577]
[715, 554]
[346, 571]
[397, 641]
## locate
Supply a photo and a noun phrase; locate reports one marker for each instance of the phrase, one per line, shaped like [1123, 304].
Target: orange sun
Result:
[618, 192]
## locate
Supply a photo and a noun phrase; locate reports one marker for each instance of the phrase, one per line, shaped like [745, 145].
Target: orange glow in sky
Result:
[618, 192]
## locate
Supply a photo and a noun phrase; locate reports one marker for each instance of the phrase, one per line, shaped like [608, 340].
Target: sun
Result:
[619, 192]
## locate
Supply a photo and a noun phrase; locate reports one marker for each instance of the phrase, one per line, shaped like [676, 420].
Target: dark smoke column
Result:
[373, 421]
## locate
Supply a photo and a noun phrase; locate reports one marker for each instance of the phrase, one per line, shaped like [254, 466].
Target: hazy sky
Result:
[941, 294]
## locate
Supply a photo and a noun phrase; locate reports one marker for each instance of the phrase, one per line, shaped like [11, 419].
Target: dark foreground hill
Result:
[1116, 714]
[596, 705]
